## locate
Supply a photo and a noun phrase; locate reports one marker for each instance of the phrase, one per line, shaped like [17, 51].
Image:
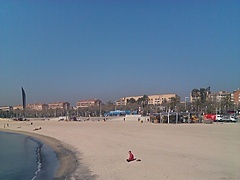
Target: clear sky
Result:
[69, 50]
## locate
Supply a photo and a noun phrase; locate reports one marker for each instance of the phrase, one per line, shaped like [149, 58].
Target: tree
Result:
[131, 101]
[143, 100]
[195, 93]
[109, 103]
[200, 98]
[227, 103]
[203, 95]
[174, 102]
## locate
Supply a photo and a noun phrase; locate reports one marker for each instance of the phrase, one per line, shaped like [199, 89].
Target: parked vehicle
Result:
[213, 117]
[233, 118]
[230, 118]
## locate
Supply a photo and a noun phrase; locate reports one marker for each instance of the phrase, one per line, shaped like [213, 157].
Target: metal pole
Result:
[216, 116]
[186, 103]
[176, 117]
[168, 116]
[100, 110]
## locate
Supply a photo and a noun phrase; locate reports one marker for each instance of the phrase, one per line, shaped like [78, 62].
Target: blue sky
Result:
[69, 50]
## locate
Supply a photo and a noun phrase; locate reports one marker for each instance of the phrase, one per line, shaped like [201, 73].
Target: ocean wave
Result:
[39, 162]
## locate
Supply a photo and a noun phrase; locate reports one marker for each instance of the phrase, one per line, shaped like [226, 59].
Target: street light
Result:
[100, 109]
[234, 107]
[186, 102]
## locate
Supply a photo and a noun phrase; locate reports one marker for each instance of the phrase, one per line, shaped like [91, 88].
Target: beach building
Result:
[88, 103]
[59, 105]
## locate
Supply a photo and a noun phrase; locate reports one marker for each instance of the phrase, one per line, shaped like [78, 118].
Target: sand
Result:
[98, 150]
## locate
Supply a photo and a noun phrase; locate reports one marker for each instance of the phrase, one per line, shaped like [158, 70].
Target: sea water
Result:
[24, 158]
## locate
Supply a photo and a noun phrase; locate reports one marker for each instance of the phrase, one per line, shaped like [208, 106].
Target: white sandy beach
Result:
[167, 151]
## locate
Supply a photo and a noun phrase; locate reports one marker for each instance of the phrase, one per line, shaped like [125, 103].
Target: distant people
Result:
[131, 157]
[37, 129]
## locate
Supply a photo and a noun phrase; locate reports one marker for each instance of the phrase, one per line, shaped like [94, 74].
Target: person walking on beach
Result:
[131, 157]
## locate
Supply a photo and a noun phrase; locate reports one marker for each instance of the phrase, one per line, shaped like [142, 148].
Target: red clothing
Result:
[131, 157]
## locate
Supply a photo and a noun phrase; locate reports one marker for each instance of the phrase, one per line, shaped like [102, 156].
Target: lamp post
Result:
[100, 109]
[234, 107]
[186, 103]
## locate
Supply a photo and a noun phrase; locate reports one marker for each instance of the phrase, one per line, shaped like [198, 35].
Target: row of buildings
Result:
[234, 97]
[152, 100]
[53, 106]
[157, 99]
[38, 106]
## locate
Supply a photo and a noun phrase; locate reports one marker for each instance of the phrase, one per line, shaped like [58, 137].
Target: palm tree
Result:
[227, 103]
[195, 93]
[173, 103]
[200, 97]
[145, 100]
[131, 101]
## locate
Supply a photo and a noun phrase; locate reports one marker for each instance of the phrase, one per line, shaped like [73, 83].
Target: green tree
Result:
[131, 101]
[200, 98]
[195, 93]
[227, 103]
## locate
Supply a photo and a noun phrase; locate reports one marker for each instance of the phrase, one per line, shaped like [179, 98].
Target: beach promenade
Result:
[98, 150]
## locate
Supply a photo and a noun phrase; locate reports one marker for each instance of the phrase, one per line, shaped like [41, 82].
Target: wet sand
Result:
[167, 151]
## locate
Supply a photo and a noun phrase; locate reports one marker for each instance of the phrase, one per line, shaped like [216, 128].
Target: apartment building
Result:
[236, 97]
[124, 100]
[6, 108]
[121, 102]
[156, 99]
[218, 96]
[18, 107]
[88, 103]
[59, 105]
[37, 106]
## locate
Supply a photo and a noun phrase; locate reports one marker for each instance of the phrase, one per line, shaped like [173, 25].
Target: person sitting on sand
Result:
[37, 129]
[131, 157]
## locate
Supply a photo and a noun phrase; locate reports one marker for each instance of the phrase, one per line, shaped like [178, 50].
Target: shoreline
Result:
[68, 159]
[176, 151]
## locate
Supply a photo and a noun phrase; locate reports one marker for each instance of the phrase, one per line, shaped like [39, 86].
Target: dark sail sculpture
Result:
[23, 99]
